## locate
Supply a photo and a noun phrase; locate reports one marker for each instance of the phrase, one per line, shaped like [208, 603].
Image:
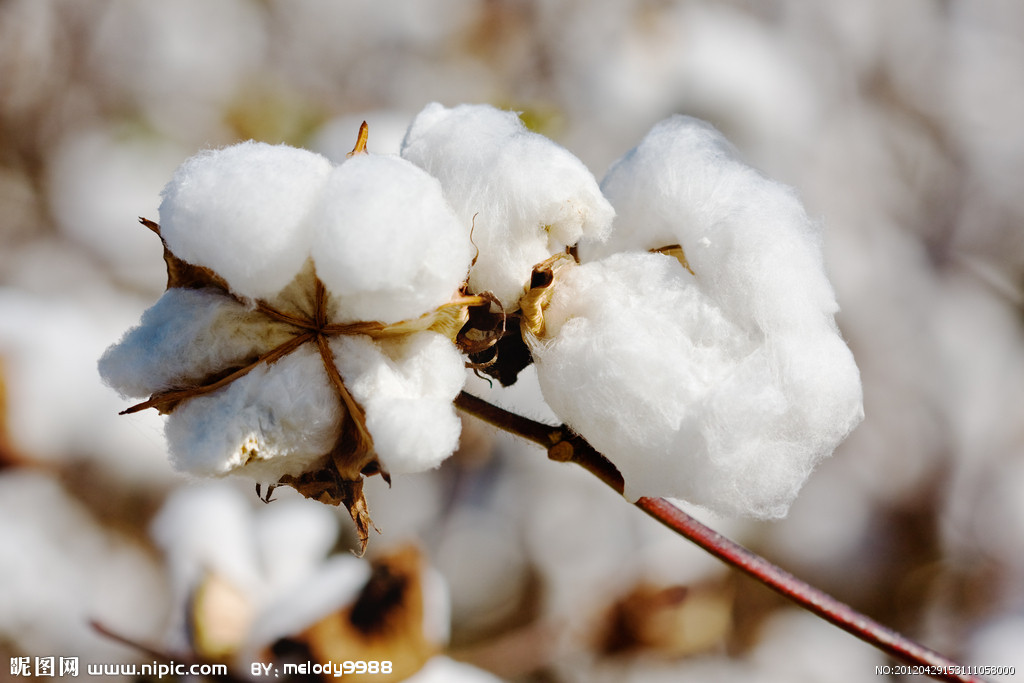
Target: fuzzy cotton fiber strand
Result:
[527, 197]
[724, 387]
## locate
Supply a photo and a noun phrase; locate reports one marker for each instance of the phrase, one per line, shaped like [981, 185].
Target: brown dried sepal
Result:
[483, 327]
[182, 273]
[360, 146]
[326, 487]
[669, 622]
[675, 250]
[538, 296]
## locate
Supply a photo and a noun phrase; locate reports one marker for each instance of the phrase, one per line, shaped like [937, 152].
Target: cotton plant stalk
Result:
[318, 318]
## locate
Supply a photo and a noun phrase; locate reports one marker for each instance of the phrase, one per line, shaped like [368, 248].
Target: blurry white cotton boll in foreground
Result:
[247, 576]
[718, 376]
[527, 197]
[62, 569]
[180, 62]
[57, 408]
[268, 560]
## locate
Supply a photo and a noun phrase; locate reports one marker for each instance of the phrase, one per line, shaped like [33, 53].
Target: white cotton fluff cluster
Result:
[387, 247]
[277, 558]
[724, 387]
[527, 197]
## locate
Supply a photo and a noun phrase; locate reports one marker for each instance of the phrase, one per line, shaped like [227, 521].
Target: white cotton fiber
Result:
[406, 388]
[242, 211]
[386, 244]
[685, 397]
[725, 386]
[747, 238]
[187, 335]
[276, 420]
[530, 197]
[207, 528]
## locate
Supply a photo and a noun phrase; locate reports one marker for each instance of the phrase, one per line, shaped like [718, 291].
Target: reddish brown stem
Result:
[805, 595]
[563, 445]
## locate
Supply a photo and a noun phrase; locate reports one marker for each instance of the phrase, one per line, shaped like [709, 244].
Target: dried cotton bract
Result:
[717, 376]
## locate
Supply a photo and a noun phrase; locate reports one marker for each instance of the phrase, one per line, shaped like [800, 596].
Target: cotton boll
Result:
[207, 527]
[242, 212]
[406, 388]
[293, 536]
[330, 585]
[62, 568]
[275, 420]
[303, 581]
[204, 529]
[183, 338]
[386, 244]
[683, 400]
[527, 197]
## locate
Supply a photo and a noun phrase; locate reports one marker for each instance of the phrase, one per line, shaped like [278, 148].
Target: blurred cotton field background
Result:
[898, 123]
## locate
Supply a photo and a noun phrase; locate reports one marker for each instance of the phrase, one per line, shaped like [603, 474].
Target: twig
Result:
[563, 445]
[160, 655]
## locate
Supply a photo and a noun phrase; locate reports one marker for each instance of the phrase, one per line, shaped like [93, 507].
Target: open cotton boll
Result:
[207, 527]
[528, 198]
[187, 335]
[683, 398]
[406, 388]
[242, 212]
[747, 238]
[386, 244]
[276, 420]
[324, 588]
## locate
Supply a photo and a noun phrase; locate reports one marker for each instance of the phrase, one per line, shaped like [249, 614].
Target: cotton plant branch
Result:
[564, 446]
